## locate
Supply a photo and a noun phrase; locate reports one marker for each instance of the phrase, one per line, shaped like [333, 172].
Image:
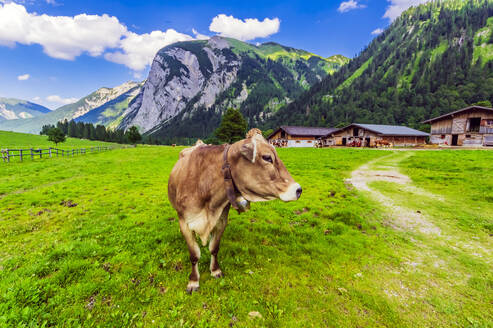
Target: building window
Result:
[443, 136]
[297, 141]
[474, 124]
[309, 141]
[283, 134]
[355, 132]
[468, 135]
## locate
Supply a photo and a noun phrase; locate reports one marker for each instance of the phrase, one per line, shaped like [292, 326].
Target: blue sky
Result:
[55, 51]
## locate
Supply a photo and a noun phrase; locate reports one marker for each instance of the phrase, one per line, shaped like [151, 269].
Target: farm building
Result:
[297, 136]
[371, 135]
[470, 126]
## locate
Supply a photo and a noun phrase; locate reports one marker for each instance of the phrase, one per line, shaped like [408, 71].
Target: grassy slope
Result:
[276, 52]
[482, 47]
[118, 259]
[356, 74]
[25, 140]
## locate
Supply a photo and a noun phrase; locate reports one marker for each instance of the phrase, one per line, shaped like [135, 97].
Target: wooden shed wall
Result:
[442, 130]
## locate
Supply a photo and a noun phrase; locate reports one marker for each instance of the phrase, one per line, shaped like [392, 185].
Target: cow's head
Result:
[258, 172]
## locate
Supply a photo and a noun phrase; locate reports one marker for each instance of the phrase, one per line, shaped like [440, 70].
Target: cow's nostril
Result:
[298, 192]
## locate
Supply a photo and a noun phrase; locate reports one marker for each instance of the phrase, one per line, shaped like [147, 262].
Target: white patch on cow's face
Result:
[254, 149]
[291, 193]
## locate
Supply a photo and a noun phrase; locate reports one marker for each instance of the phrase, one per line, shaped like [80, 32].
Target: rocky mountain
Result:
[111, 112]
[433, 59]
[191, 83]
[11, 109]
[110, 103]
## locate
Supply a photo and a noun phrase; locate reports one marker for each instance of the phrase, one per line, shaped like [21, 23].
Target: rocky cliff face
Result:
[195, 81]
[181, 77]
[95, 100]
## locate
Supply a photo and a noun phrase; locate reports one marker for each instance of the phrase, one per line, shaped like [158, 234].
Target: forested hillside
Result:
[433, 59]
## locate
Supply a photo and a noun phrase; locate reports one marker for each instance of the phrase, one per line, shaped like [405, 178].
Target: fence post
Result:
[57, 152]
[40, 152]
[21, 154]
[32, 156]
[8, 156]
[49, 151]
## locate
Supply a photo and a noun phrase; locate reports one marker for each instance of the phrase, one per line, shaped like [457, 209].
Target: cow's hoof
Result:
[193, 286]
[217, 273]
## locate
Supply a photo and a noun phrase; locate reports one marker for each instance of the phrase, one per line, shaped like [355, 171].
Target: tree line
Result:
[88, 131]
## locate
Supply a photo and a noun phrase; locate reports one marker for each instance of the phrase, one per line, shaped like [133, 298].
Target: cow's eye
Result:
[267, 158]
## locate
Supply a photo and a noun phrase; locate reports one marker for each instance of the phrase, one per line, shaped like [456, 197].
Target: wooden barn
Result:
[297, 136]
[470, 126]
[372, 135]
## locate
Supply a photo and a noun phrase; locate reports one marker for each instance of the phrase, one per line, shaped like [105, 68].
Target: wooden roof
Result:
[431, 120]
[387, 130]
[303, 131]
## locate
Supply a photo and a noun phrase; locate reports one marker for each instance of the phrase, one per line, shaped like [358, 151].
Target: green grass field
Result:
[93, 241]
[14, 140]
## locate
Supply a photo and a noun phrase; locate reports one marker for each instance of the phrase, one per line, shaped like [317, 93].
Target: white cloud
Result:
[36, 98]
[377, 31]
[23, 77]
[349, 5]
[199, 36]
[248, 29]
[61, 37]
[138, 50]
[66, 37]
[61, 101]
[396, 7]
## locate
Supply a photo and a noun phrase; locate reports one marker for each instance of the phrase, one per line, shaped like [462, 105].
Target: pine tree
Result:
[133, 135]
[232, 128]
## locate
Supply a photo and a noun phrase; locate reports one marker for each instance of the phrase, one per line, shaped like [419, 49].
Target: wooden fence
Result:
[32, 153]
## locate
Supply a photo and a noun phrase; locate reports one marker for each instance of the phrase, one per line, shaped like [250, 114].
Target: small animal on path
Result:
[207, 180]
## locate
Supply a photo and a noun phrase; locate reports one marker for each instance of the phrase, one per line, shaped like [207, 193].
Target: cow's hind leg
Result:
[193, 247]
[215, 241]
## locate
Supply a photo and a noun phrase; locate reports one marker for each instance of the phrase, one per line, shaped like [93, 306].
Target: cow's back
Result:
[195, 176]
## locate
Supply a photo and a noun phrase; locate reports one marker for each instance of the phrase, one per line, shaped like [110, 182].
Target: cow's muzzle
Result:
[292, 193]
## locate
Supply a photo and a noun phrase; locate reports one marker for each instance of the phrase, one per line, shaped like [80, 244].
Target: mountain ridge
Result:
[94, 100]
[191, 83]
[12, 108]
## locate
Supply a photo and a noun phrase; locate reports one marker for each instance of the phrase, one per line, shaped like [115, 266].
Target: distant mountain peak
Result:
[12, 109]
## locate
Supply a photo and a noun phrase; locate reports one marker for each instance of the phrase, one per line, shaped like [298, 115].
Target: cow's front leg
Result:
[215, 241]
[194, 249]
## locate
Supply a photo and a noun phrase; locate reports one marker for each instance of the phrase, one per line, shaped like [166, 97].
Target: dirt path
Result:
[405, 218]
[402, 218]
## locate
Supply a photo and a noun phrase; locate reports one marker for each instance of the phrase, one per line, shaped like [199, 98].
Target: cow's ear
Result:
[248, 151]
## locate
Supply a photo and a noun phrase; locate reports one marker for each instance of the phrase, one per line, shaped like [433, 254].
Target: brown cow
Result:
[207, 180]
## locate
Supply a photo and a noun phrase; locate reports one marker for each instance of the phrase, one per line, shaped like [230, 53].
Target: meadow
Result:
[93, 241]
[14, 140]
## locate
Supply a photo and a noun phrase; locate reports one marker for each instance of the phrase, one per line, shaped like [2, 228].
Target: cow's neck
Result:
[233, 195]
